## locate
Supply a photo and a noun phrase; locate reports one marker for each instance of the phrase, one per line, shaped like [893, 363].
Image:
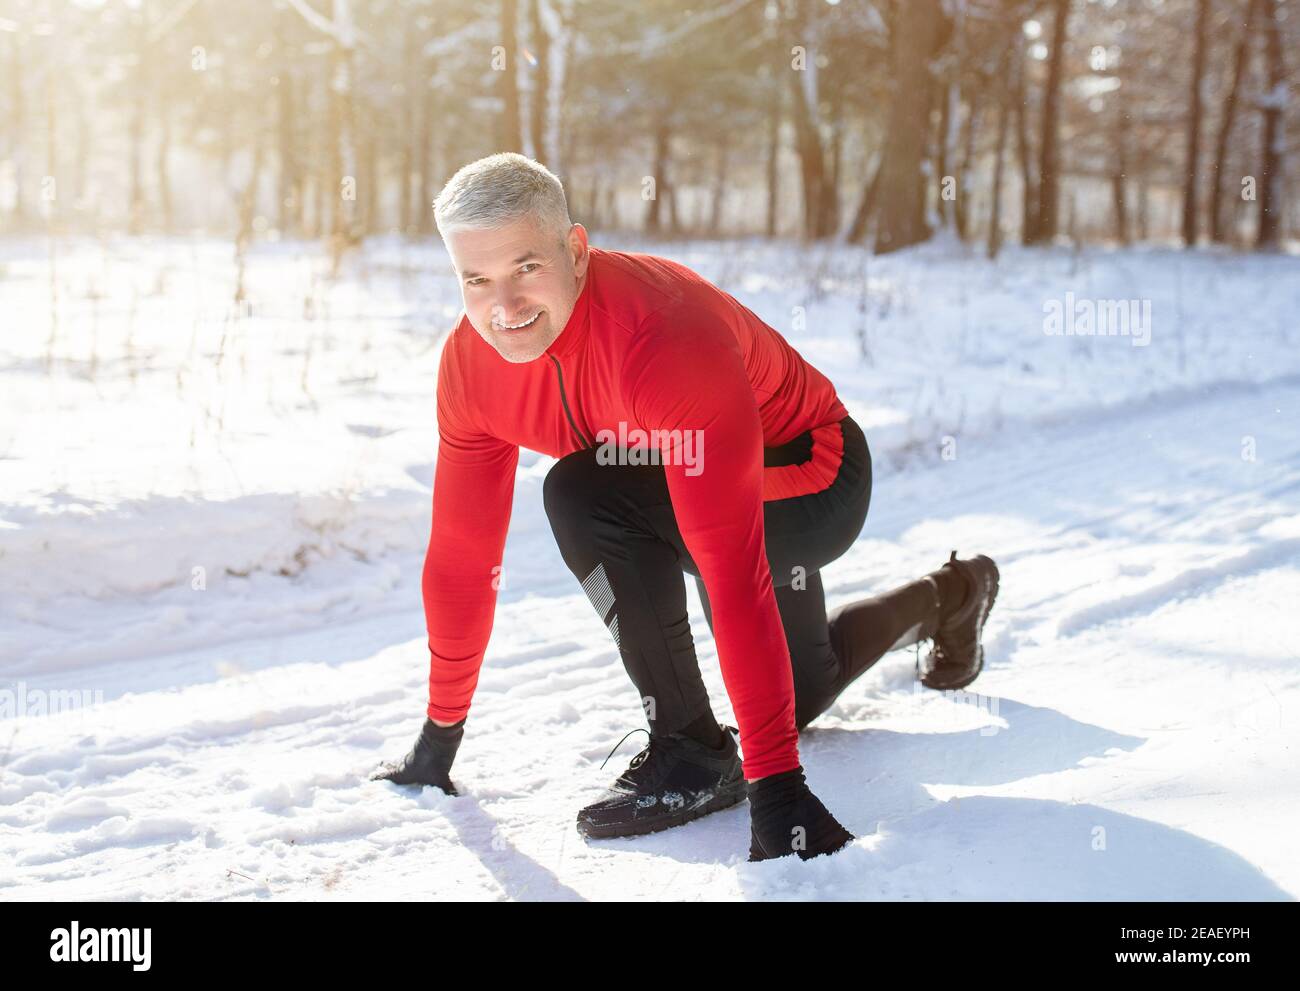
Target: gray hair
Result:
[498, 190]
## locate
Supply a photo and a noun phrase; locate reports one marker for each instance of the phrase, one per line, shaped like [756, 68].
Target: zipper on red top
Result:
[565, 402]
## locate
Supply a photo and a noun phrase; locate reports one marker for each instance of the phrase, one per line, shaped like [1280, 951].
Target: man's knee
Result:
[817, 684]
[569, 491]
[810, 704]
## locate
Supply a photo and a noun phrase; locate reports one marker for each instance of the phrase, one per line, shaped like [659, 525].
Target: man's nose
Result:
[509, 307]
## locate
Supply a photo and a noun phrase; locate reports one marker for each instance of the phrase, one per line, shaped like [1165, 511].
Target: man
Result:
[691, 438]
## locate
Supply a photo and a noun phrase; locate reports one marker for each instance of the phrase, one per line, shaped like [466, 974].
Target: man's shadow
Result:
[914, 846]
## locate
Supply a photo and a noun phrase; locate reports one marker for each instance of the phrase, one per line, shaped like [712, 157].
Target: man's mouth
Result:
[521, 325]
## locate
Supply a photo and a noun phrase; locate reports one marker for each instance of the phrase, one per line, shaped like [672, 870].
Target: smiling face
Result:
[519, 283]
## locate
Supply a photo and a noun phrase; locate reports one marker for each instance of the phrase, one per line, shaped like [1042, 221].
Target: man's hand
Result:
[429, 762]
[786, 817]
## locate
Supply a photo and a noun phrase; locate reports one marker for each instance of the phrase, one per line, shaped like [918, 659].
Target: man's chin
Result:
[519, 351]
[520, 357]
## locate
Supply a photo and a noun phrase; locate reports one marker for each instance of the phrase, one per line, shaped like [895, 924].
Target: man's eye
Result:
[472, 282]
[529, 265]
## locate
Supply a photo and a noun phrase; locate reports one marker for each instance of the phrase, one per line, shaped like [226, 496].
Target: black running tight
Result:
[616, 531]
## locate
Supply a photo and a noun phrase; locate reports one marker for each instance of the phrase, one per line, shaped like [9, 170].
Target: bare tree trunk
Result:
[369, 181]
[135, 205]
[426, 97]
[610, 210]
[773, 157]
[1217, 232]
[995, 220]
[831, 199]
[346, 208]
[818, 192]
[902, 190]
[1000, 149]
[160, 161]
[812, 167]
[332, 181]
[539, 112]
[85, 141]
[719, 184]
[424, 214]
[1194, 125]
[861, 223]
[51, 136]
[1119, 178]
[1029, 180]
[412, 97]
[51, 206]
[289, 191]
[653, 219]
[510, 137]
[17, 104]
[950, 92]
[1144, 198]
[324, 181]
[1049, 159]
[559, 20]
[967, 163]
[1272, 154]
[246, 203]
[587, 209]
[947, 110]
[323, 156]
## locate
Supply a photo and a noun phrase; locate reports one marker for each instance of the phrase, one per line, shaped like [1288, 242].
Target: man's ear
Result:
[577, 247]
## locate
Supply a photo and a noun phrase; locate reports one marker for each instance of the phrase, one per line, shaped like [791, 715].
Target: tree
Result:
[510, 137]
[1046, 220]
[1227, 117]
[1273, 150]
[819, 195]
[901, 197]
[1194, 124]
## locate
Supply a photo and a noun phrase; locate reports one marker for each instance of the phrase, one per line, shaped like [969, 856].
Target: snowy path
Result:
[1136, 735]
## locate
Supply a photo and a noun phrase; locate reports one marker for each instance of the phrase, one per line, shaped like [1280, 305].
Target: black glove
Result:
[786, 817]
[429, 762]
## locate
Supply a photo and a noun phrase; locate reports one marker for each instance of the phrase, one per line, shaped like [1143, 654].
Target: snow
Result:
[212, 523]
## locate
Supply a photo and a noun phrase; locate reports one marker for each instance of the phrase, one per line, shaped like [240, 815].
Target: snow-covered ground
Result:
[212, 521]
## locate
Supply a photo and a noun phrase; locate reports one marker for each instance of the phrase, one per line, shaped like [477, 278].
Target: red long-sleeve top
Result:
[652, 345]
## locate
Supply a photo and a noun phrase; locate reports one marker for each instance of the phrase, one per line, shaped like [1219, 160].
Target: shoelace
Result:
[639, 758]
[942, 636]
[947, 643]
[644, 763]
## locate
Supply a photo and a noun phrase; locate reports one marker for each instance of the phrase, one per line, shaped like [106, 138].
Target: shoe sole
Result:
[722, 801]
[979, 639]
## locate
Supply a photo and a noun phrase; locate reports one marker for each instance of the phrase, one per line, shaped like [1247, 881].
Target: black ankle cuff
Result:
[706, 732]
[776, 789]
[444, 734]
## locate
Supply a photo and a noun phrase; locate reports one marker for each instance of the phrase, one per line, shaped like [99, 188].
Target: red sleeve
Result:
[473, 488]
[686, 372]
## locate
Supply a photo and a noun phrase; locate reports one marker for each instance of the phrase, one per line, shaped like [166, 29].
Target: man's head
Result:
[519, 258]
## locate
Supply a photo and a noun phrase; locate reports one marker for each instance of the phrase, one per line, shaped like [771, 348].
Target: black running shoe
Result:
[957, 655]
[673, 780]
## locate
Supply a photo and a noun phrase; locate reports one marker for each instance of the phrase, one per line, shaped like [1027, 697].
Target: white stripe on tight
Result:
[596, 585]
